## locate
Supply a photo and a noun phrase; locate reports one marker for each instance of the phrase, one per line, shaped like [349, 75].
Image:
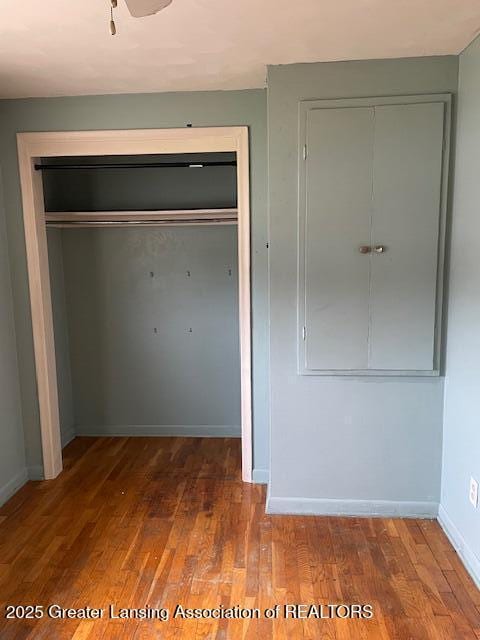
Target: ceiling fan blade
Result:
[141, 8]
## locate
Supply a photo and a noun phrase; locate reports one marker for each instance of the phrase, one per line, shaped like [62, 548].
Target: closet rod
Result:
[131, 165]
[138, 223]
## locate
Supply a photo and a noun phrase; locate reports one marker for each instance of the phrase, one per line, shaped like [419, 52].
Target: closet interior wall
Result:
[146, 318]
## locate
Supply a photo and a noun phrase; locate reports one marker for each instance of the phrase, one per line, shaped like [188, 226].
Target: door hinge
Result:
[304, 333]
[304, 151]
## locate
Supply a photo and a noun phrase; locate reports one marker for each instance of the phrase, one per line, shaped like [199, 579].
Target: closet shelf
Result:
[68, 219]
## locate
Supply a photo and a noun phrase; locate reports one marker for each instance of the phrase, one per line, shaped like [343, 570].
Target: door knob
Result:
[379, 248]
[364, 248]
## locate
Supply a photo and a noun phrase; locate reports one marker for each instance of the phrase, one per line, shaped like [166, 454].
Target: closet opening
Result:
[139, 286]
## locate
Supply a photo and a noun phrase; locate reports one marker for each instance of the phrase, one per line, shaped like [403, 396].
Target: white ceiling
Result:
[60, 47]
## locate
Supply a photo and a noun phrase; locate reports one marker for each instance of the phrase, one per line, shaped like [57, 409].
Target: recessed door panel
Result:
[408, 152]
[338, 194]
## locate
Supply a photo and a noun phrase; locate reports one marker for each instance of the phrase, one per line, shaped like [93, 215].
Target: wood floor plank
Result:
[165, 521]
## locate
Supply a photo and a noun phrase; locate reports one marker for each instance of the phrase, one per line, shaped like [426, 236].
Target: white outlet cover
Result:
[473, 495]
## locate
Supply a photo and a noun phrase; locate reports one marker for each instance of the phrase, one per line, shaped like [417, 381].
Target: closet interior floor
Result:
[167, 521]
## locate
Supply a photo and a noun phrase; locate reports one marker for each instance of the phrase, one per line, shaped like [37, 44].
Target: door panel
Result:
[338, 212]
[408, 151]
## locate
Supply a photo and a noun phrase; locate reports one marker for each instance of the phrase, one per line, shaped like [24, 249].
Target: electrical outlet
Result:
[473, 495]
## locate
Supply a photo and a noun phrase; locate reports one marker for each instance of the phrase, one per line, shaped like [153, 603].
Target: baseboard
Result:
[13, 485]
[35, 472]
[367, 508]
[260, 476]
[467, 556]
[192, 431]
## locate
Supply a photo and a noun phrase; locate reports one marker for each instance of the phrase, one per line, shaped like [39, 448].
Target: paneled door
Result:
[372, 192]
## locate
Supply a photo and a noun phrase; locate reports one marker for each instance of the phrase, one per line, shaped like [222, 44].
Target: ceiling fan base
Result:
[143, 8]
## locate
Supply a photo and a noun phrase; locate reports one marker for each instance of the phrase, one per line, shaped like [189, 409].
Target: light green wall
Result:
[137, 111]
[461, 447]
[12, 456]
[60, 327]
[153, 326]
[330, 437]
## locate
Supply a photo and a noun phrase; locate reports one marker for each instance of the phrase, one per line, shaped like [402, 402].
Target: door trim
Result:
[32, 147]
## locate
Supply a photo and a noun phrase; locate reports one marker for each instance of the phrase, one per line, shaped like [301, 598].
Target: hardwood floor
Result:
[167, 521]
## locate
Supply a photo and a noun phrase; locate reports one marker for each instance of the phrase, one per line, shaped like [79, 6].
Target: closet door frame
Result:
[32, 147]
[304, 107]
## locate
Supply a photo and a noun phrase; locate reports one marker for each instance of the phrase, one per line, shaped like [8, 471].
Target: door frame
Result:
[32, 147]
